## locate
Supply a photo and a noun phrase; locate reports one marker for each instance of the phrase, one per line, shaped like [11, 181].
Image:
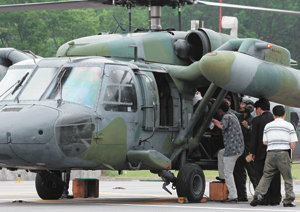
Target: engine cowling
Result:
[197, 43]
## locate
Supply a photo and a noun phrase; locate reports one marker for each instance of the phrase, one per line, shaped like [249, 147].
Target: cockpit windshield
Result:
[77, 84]
[14, 79]
[38, 84]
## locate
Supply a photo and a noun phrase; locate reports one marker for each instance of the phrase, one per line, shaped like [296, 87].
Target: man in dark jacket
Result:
[240, 176]
[259, 150]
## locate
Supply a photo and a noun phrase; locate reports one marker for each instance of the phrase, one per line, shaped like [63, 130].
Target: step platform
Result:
[85, 188]
[218, 191]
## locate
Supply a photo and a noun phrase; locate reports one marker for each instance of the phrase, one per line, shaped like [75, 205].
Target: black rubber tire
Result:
[49, 186]
[190, 182]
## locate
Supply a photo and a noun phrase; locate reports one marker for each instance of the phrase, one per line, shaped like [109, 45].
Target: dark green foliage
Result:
[43, 32]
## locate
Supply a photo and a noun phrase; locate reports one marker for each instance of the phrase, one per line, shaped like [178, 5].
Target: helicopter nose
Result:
[27, 124]
[74, 132]
[216, 67]
[23, 130]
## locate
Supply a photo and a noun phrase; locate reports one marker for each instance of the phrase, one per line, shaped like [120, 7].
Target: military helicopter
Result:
[124, 101]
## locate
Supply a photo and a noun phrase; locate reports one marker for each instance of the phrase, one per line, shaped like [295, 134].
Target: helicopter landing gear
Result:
[168, 177]
[49, 185]
[66, 180]
[190, 182]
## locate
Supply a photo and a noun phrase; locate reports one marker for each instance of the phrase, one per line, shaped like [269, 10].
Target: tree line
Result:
[43, 32]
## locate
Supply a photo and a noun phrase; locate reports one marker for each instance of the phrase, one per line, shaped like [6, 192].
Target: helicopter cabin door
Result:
[161, 102]
[119, 115]
[149, 100]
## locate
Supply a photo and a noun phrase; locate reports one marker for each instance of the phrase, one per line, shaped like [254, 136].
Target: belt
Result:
[279, 150]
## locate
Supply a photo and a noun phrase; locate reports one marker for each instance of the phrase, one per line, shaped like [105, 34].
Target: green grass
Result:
[148, 174]
[296, 171]
[208, 174]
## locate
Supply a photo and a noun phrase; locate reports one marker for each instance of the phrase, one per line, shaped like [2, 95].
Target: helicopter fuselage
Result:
[89, 113]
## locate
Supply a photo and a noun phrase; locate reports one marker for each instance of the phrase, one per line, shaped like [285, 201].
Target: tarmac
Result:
[6, 175]
[115, 195]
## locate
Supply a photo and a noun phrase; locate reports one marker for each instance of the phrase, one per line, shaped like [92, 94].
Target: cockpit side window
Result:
[120, 93]
[77, 84]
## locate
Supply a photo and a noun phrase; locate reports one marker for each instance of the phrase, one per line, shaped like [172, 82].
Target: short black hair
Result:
[278, 111]
[263, 103]
[224, 106]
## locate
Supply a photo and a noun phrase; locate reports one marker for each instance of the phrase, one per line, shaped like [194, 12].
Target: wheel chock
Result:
[182, 200]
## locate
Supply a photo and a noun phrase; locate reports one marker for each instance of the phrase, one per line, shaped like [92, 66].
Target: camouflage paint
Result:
[278, 55]
[186, 78]
[258, 87]
[147, 159]
[161, 44]
[211, 64]
[138, 132]
[109, 146]
[276, 82]
[216, 39]
[152, 46]
[156, 46]
[289, 87]
[247, 45]
[168, 144]
[117, 48]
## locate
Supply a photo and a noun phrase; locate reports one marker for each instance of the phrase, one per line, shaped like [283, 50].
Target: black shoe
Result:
[288, 205]
[256, 202]
[220, 179]
[274, 203]
[234, 200]
[243, 199]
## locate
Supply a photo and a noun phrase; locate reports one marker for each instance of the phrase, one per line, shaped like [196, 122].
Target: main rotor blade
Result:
[60, 5]
[291, 12]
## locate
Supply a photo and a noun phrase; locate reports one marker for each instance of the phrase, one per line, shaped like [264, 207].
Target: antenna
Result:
[179, 17]
[129, 17]
[119, 24]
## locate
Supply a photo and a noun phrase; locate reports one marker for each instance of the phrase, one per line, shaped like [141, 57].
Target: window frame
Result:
[48, 92]
[108, 69]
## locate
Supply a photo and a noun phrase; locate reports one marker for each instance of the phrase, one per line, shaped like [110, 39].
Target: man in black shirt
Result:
[258, 150]
[240, 175]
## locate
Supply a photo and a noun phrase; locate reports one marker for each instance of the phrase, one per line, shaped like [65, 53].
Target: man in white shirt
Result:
[280, 138]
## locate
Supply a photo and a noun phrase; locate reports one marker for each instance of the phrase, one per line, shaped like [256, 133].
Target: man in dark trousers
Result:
[258, 150]
[240, 176]
[280, 138]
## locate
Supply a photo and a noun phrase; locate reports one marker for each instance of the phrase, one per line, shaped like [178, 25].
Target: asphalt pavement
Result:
[134, 195]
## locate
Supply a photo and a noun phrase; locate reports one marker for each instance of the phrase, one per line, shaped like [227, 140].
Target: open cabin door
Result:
[161, 102]
[150, 104]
